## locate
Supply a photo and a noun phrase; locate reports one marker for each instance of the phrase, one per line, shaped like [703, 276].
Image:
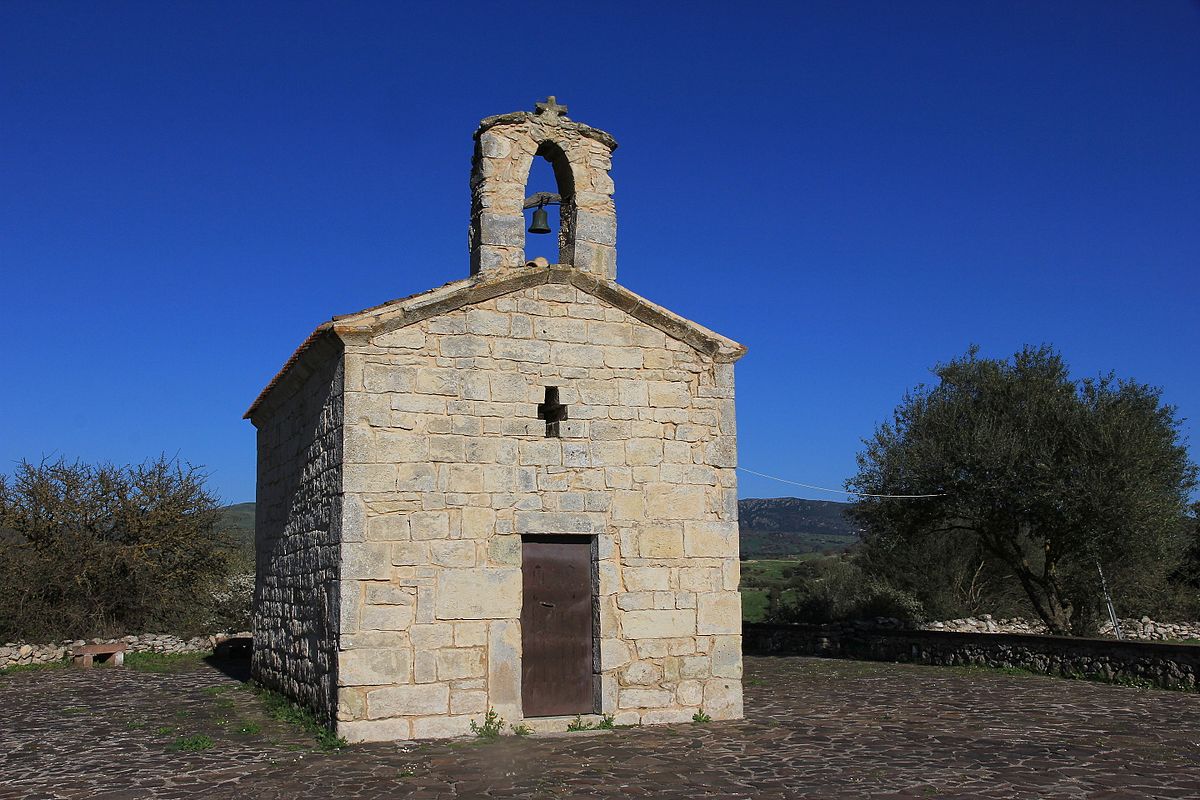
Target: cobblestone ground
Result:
[815, 728]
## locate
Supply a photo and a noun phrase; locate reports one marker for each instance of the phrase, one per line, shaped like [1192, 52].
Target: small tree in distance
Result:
[92, 550]
[1046, 476]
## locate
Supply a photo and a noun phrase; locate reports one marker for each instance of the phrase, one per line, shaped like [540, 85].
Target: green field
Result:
[759, 575]
[754, 605]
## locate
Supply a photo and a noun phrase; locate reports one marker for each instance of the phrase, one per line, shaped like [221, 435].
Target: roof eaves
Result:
[314, 337]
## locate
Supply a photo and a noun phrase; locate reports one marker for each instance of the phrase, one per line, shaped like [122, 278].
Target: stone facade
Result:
[398, 478]
[298, 535]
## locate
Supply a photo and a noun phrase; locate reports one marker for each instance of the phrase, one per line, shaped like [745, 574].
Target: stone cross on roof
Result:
[550, 108]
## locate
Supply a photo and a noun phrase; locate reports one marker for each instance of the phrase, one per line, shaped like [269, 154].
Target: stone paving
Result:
[814, 728]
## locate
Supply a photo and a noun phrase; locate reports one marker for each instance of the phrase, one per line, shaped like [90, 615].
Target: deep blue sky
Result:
[854, 190]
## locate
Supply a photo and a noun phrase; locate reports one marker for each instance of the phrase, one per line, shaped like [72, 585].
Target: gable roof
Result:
[396, 314]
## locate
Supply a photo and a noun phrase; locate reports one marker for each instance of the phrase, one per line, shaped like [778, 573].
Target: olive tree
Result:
[1048, 477]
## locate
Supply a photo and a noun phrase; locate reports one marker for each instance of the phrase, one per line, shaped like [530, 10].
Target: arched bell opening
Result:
[541, 222]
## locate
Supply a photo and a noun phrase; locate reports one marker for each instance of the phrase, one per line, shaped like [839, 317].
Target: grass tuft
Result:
[191, 744]
[284, 710]
[19, 668]
[162, 662]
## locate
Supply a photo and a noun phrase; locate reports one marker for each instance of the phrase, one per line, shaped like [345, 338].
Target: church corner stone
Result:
[408, 460]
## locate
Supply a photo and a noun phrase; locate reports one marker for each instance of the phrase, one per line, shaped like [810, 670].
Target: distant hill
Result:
[771, 528]
[238, 521]
[788, 526]
[238, 517]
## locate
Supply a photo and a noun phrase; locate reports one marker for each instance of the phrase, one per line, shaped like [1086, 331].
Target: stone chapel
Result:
[513, 492]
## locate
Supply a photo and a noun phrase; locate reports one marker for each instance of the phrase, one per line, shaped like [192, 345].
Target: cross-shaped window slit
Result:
[552, 411]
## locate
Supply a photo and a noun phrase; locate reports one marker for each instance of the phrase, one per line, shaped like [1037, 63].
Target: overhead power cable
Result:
[841, 491]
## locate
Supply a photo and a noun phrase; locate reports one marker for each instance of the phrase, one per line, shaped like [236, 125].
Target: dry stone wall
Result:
[14, 654]
[1144, 628]
[1139, 663]
[297, 538]
[446, 465]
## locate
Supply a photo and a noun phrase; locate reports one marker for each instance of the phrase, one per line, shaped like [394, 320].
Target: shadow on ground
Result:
[814, 728]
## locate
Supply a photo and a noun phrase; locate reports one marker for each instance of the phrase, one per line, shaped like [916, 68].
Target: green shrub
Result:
[837, 590]
[95, 550]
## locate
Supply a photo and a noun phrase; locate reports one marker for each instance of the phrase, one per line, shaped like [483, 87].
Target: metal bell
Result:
[541, 221]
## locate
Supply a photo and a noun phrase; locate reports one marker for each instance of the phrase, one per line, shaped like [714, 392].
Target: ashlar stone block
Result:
[468, 701]
[641, 673]
[416, 478]
[587, 522]
[658, 623]
[614, 653]
[453, 553]
[660, 542]
[366, 561]
[372, 667]
[644, 579]
[381, 730]
[396, 701]
[710, 538]
[668, 394]
[644, 698]
[667, 502]
[388, 594]
[460, 663]
[479, 593]
[644, 452]
[723, 698]
[521, 350]
[386, 617]
[719, 612]
[410, 338]
[430, 524]
[504, 676]
[441, 727]
[727, 657]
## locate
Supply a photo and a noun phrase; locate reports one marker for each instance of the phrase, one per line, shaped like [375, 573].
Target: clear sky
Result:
[854, 190]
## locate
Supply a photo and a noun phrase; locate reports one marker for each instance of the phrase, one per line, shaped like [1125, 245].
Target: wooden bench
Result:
[84, 655]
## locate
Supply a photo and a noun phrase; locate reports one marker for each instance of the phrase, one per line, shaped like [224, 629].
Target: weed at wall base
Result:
[492, 724]
[284, 710]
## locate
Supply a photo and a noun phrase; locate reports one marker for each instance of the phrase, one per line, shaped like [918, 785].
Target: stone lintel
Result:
[528, 117]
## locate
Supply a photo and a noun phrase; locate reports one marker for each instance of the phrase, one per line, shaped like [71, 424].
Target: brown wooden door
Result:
[556, 626]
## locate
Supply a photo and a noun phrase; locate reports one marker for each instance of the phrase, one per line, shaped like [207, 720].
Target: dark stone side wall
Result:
[297, 538]
[1167, 666]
